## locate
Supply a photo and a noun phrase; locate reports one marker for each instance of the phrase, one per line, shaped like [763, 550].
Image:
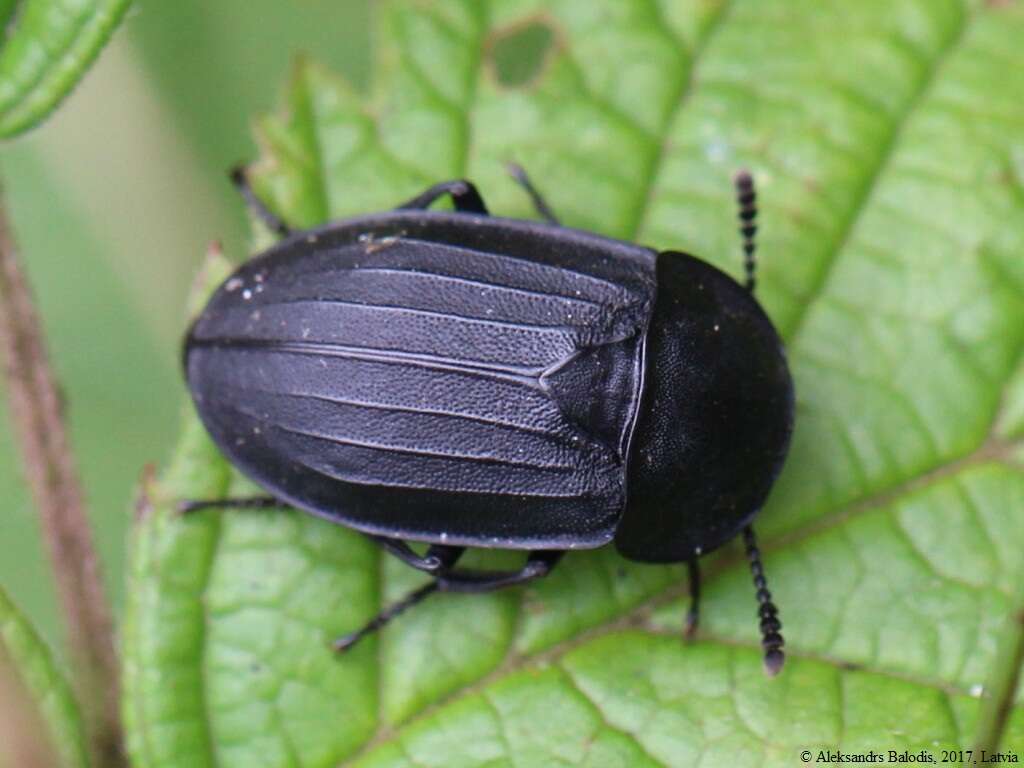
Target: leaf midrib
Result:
[686, 90]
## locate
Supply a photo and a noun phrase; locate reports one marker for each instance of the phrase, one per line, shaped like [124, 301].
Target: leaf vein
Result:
[577, 687]
[684, 91]
[875, 174]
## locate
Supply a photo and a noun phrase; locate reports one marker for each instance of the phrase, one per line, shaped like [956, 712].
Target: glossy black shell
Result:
[467, 379]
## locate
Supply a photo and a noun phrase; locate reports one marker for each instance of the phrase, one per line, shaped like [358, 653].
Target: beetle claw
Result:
[187, 506]
[773, 661]
[691, 625]
[345, 642]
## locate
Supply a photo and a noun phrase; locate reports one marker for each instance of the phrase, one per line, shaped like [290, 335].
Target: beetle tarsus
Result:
[188, 506]
[346, 642]
[259, 209]
[539, 564]
[746, 199]
[519, 175]
[693, 613]
[771, 636]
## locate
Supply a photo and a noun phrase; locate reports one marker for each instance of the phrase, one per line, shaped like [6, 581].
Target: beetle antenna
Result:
[345, 642]
[746, 200]
[771, 637]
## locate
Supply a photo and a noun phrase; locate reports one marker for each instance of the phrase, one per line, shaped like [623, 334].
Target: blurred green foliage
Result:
[43, 681]
[114, 200]
[48, 45]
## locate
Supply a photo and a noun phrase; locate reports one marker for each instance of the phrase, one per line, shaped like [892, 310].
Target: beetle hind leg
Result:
[539, 564]
[345, 642]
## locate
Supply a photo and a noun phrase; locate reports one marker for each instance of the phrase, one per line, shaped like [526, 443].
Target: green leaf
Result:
[38, 673]
[47, 47]
[885, 140]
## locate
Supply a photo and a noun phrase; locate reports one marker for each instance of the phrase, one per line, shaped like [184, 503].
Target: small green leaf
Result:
[33, 663]
[7, 9]
[46, 48]
[885, 140]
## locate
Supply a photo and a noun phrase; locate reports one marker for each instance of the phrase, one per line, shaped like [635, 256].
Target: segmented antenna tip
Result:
[746, 201]
[771, 636]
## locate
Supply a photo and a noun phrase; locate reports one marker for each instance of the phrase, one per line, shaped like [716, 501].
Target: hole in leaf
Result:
[518, 53]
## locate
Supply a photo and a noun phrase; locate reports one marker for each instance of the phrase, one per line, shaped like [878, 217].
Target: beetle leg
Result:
[540, 205]
[438, 559]
[746, 200]
[250, 502]
[771, 637]
[693, 614]
[345, 642]
[259, 209]
[539, 564]
[464, 195]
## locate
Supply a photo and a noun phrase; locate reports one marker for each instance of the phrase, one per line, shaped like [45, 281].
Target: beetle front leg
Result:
[539, 564]
[463, 193]
[693, 614]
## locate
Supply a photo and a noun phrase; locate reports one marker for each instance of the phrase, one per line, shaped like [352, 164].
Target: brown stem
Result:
[36, 412]
[24, 741]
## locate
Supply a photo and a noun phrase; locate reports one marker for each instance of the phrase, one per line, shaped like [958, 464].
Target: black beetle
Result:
[471, 381]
